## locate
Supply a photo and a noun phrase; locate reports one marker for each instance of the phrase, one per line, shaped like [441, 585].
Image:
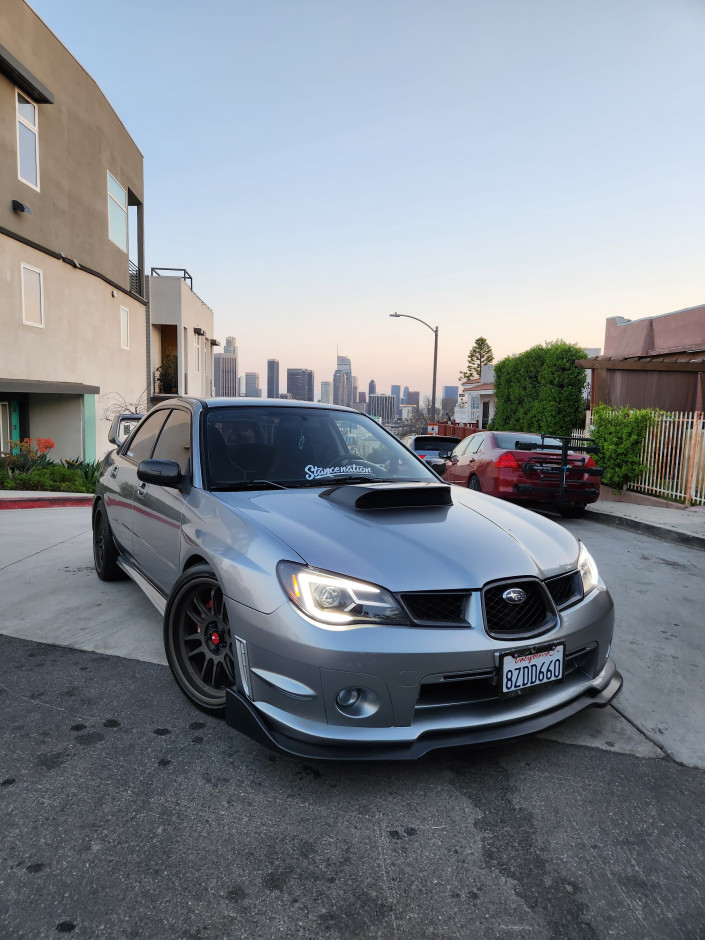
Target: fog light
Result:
[346, 698]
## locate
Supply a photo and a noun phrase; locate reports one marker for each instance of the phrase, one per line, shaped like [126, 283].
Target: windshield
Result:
[292, 446]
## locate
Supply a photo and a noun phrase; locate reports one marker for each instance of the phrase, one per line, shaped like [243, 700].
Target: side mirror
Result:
[444, 454]
[121, 428]
[440, 466]
[159, 472]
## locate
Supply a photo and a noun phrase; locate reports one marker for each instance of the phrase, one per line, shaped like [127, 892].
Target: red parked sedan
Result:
[515, 466]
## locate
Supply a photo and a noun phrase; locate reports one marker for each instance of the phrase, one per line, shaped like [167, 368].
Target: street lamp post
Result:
[435, 358]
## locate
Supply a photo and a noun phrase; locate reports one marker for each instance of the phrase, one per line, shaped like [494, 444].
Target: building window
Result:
[32, 296]
[197, 353]
[474, 403]
[124, 327]
[27, 141]
[117, 213]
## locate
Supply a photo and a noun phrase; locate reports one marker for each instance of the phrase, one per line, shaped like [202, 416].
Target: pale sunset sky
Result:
[518, 169]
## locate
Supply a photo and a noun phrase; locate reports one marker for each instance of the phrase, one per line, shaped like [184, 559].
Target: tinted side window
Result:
[175, 440]
[142, 443]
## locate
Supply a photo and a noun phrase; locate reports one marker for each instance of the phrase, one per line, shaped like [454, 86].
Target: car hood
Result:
[474, 540]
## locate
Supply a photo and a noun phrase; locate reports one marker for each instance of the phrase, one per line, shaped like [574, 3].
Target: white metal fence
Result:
[674, 454]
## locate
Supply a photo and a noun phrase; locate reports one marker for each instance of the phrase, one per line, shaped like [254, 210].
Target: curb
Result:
[648, 528]
[70, 501]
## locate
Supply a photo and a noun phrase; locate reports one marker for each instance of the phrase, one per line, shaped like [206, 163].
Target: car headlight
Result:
[587, 569]
[335, 600]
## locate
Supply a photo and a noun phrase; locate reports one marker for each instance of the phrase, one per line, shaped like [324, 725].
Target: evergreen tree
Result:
[480, 355]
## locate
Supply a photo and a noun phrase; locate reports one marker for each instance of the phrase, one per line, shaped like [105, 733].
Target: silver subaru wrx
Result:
[330, 595]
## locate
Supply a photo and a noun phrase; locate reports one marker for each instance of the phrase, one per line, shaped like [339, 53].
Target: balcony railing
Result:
[135, 279]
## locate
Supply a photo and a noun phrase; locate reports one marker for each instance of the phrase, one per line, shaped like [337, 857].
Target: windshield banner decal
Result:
[312, 472]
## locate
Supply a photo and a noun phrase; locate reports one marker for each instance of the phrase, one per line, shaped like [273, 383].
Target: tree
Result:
[540, 390]
[480, 355]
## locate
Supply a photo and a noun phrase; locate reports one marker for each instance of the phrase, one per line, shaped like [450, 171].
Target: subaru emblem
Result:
[514, 596]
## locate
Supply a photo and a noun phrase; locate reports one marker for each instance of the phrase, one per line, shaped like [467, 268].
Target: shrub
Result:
[540, 389]
[54, 478]
[619, 433]
[87, 468]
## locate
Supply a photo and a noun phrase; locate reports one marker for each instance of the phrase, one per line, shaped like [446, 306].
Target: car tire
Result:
[105, 554]
[474, 483]
[197, 639]
[572, 512]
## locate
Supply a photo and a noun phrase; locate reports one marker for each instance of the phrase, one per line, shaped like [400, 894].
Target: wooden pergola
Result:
[600, 365]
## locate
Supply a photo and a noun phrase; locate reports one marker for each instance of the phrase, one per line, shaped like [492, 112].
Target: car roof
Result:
[207, 403]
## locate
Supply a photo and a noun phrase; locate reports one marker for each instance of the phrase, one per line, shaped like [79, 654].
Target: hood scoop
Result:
[365, 497]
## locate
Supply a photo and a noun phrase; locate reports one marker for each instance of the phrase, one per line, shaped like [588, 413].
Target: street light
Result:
[435, 358]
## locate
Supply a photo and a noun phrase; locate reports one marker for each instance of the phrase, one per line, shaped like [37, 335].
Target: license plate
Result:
[532, 666]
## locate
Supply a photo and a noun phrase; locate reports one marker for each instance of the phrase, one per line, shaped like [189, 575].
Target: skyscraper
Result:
[344, 364]
[225, 374]
[299, 384]
[272, 378]
[450, 391]
[396, 391]
[383, 407]
[325, 392]
[412, 398]
[372, 387]
[342, 390]
[230, 346]
[252, 389]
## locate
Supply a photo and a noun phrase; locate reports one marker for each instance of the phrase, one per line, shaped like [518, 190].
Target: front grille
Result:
[456, 689]
[436, 607]
[565, 590]
[507, 621]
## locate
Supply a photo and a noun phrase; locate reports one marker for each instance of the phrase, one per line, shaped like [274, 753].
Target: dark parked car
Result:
[430, 446]
[525, 468]
[331, 596]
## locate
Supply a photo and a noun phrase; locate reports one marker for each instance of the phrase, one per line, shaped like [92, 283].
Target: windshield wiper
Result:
[334, 479]
[246, 485]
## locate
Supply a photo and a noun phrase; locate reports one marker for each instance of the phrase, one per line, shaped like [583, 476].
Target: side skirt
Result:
[143, 584]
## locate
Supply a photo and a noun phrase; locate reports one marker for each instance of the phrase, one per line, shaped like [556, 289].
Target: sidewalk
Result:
[628, 510]
[650, 516]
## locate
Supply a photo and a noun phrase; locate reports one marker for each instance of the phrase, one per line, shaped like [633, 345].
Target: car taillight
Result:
[507, 460]
[589, 462]
[422, 456]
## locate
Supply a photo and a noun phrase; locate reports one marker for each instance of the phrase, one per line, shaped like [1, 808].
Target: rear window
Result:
[433, 442]
[508, 441]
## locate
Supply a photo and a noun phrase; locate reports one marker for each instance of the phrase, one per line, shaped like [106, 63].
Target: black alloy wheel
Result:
[474, 484]
[197, 640]
[105, 555]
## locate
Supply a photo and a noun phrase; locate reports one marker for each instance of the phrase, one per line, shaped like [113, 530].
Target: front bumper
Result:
[242, 715]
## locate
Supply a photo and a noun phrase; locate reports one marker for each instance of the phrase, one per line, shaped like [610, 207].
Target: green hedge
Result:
[620, 433]
[58, 479]
[540, 390]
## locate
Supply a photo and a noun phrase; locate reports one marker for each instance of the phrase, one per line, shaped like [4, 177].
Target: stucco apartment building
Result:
[72, 308]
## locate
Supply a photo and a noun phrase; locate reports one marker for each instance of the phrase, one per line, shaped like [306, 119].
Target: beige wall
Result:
[80, 341]
[80, 139]
[59, 417]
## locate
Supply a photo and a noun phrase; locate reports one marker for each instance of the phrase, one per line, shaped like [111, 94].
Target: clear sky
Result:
[518, 169]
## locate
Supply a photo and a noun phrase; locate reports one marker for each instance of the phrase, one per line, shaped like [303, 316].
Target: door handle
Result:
[142, 489]
[114, 472]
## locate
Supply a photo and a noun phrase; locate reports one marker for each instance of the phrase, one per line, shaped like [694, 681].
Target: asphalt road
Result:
[124, 812]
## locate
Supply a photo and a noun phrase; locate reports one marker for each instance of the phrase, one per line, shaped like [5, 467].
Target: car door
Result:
[457, 462]
[156, 539]
[465, 466]
[121, 479]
